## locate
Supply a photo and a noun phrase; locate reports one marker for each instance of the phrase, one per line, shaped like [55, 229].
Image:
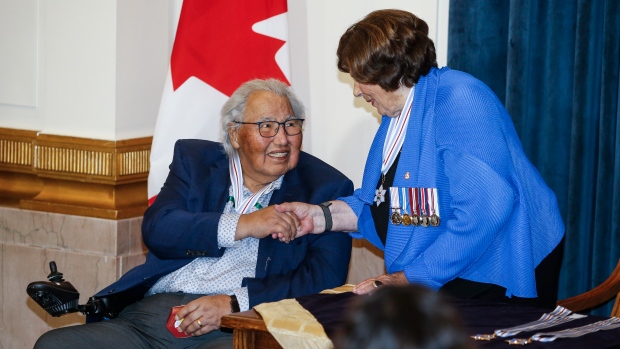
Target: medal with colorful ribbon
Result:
[415, 208]
[405, 200]
[424, 220]
[395, 217]
[434, 207]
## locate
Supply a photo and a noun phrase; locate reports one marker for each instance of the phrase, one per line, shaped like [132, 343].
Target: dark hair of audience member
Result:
[411, 317]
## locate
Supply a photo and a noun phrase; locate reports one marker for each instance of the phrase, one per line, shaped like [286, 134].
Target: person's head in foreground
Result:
[405, 317]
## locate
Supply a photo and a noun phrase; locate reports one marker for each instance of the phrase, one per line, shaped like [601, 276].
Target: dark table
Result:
[485, 317]
[479, 317]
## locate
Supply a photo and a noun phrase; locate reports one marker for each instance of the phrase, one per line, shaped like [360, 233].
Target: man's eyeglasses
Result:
[268, 129]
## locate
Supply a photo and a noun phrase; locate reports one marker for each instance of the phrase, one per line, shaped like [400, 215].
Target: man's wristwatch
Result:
[327, 213]
[234, 304]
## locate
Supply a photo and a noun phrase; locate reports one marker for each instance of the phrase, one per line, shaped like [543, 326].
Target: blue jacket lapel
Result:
[219, 183]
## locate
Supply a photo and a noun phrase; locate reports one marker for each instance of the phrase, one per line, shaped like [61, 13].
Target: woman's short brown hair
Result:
[387, 48]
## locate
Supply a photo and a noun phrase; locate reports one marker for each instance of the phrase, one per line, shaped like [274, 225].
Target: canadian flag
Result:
[219, 45]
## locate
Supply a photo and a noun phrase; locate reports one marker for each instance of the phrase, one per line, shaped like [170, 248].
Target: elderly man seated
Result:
[215, 244]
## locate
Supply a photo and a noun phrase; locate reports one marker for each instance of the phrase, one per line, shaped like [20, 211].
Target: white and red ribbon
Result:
[236, 177]
[396, 134]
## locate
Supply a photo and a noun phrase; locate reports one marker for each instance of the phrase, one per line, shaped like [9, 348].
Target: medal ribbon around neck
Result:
[396, 134]
[236, 178]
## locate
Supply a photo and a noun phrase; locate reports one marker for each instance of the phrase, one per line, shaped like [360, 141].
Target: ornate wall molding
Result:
[86, 177]
[17, 150]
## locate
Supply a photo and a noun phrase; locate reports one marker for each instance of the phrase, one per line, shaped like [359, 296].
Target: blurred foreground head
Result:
[412, 317]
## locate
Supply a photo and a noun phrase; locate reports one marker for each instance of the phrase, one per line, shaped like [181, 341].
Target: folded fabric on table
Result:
[309, 321]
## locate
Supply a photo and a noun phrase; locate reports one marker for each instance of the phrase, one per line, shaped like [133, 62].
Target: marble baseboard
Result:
[90, 252]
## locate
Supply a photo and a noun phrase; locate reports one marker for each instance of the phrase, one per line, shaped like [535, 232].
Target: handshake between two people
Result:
[290, 220]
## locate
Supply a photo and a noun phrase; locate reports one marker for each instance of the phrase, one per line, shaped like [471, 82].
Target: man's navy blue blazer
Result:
[181, 225]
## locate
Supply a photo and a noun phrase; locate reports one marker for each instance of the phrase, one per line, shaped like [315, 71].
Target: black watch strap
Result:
[234, 304]
[327, 213]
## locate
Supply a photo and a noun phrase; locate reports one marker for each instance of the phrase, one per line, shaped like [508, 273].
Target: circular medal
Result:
[415, 220]
[435, 220]
[424, 221]
[396, 218]
[406, 219]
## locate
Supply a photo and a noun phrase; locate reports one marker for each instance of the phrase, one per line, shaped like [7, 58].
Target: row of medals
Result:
[415, 220]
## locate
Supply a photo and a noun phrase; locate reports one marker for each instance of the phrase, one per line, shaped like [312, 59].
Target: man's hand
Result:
[203, 315]
[268, 221]
[308, 216]
[369, 285]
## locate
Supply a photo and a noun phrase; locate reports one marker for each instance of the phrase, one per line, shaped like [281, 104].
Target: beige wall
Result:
[83, 68]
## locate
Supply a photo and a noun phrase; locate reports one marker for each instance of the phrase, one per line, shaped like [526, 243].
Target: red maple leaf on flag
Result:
[215, 43]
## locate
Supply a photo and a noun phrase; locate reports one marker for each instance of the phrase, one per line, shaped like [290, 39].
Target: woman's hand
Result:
[369, 285]
[203, 315]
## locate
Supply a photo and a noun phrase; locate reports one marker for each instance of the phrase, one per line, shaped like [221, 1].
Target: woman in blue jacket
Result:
[448, 192]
